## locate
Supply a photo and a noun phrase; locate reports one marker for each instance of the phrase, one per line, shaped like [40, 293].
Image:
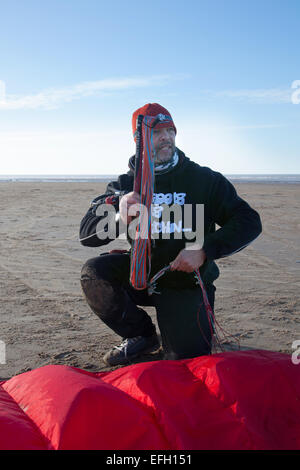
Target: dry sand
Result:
[45, 319]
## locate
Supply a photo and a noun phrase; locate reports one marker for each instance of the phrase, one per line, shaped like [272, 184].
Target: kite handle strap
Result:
[138, 155]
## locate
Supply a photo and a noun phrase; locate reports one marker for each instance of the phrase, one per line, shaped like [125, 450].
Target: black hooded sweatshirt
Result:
[186, 183]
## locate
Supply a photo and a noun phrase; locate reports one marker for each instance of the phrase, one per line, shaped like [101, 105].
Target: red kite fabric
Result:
[233, 400]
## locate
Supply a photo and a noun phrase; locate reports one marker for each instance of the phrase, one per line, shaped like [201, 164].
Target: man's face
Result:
[164, 144]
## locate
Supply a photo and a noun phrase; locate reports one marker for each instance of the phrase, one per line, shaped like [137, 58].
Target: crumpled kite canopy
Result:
[233, 400]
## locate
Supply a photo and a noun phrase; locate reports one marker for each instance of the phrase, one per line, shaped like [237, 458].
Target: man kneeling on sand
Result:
[185, 328]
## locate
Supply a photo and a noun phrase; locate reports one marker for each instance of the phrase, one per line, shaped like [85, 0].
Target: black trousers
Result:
[181, 315]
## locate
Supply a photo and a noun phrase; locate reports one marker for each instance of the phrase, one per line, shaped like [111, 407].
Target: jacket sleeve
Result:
[88, 232]
[239, 223]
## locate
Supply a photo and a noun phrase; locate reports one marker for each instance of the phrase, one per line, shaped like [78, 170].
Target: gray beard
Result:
[158, 162]
[167, 165]
[162, 162]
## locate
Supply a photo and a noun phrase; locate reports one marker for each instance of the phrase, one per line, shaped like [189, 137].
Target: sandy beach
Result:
[44, 316]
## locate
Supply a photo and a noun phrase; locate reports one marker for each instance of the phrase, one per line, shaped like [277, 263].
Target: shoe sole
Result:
[127, 360]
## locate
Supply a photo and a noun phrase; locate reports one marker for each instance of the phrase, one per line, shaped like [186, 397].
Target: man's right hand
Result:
[126, 201]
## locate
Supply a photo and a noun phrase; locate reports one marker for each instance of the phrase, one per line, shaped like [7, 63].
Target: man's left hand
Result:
[188, 260]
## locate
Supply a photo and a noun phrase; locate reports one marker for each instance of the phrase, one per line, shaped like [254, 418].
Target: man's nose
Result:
[164, 134]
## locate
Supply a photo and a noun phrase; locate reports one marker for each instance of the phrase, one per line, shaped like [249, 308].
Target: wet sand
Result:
[45, 319]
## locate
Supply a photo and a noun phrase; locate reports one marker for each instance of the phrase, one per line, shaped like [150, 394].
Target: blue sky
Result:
[72, 73]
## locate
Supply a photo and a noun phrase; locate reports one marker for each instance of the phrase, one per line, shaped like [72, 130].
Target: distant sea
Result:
[263, 178]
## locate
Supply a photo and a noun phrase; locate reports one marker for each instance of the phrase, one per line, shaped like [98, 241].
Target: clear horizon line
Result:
[117, 174]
